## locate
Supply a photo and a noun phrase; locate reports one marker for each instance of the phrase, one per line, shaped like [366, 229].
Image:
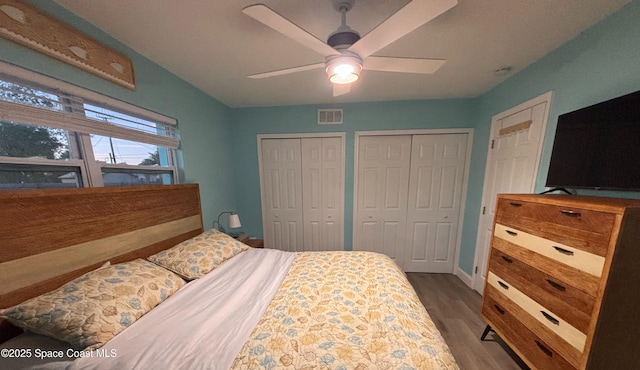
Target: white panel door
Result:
[512, 164]
[382, 189]
[282, 179]
[433, 210]
[323, 193]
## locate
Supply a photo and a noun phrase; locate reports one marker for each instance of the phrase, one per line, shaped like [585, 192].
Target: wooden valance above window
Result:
[32, 28]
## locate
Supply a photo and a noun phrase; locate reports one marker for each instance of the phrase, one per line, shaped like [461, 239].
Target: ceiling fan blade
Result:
[270, 18]
[403, 65]
[411, 16]
[286, 71]
[341, 89]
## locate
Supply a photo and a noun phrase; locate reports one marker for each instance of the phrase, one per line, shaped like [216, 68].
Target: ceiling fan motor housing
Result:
[342, 39]
[344, 36]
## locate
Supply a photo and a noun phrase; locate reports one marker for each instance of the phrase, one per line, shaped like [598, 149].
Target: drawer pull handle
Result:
[503, 285]
[556, 285]
[550, 318]
[499, 309]
[570, 213]
[507, 259]
[512, 233]
[563, 251]
[515, 204]
[544, 349]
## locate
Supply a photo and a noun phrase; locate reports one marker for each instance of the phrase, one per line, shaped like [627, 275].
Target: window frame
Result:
[80, 126]
[81, 164]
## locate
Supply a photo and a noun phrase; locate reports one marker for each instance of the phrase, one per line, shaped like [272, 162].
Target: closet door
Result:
[322, 194]
[383, 177]
[408, 198]
[433, 209]
[282, 181]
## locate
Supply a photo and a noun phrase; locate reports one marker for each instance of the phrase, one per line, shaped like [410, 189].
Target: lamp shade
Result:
[234, 221]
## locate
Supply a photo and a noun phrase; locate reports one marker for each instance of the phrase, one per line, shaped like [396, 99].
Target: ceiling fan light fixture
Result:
[344, 70]
[345, 50]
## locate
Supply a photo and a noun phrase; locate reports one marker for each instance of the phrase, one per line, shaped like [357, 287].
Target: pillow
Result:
[93, 308]
[195, 257]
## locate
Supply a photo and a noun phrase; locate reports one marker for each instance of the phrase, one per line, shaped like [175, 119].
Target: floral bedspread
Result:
[345, 310]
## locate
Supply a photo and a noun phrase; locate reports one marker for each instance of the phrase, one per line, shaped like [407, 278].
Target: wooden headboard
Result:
[49, 237]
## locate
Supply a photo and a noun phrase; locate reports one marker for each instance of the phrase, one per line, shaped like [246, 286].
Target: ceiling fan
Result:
[346, 53]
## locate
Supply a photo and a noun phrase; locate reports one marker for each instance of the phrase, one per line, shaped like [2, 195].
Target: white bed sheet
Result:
[202, 326]
[205, 324]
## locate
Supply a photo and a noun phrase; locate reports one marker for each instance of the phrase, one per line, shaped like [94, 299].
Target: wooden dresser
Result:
[563, 280]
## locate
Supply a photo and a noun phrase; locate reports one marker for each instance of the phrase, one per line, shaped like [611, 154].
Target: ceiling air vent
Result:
[329, 116]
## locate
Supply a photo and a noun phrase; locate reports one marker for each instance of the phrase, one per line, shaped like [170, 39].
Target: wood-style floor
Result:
[455, 308]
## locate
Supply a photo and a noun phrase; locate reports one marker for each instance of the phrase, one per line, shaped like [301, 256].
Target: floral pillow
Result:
[90, 310]
[199, 255]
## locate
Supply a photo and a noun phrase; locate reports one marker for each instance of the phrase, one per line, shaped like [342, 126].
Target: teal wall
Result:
[599, 64]
[249, 122]
[219, 144]
[204, 123]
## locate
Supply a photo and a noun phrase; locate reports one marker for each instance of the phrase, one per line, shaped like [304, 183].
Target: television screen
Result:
[598, 147]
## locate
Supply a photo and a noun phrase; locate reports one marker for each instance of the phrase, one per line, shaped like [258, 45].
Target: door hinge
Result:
[484, 210]
[476, 269]
[493, 141]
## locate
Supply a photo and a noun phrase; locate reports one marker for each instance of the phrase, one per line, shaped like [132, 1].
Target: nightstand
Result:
[254, 243]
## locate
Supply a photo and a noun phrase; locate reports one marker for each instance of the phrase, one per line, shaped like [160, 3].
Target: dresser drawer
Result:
[571, 304]
[579, 279]
[551, 338]
[573, 217]
[534, 350]
[542, 314]
[569, 255]
[581, 228]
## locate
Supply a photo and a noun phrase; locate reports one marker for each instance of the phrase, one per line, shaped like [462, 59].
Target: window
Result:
[30, 176]
[57, 135]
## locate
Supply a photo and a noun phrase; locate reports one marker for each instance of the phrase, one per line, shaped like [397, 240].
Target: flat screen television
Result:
[598, 147]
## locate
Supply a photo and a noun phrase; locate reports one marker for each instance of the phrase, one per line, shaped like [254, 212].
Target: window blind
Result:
[30, 103]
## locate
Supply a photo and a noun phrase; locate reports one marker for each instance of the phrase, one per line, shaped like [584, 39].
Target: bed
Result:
[257, 309]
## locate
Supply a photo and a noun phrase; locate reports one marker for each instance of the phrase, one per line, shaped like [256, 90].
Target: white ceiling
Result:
[213, 45]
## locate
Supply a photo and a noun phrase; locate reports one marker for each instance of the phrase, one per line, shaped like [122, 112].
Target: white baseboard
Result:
[466, 278]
